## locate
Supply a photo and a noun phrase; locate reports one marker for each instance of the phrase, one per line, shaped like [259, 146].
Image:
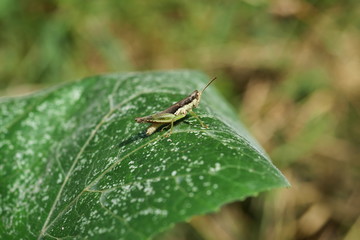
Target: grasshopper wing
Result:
[157, 118]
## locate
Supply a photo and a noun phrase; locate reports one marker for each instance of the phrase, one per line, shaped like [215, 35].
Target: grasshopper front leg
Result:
[198, 118]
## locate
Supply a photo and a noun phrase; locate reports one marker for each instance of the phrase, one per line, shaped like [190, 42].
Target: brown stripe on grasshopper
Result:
[175, 112]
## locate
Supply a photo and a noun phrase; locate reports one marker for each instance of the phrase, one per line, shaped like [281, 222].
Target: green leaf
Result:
[75, 164]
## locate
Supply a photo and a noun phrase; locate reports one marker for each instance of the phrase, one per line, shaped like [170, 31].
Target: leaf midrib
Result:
[93, 132]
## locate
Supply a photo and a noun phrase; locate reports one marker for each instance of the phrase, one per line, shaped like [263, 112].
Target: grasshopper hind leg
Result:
[176, 118]
[153, 127]
[171, 128]
[163, 119]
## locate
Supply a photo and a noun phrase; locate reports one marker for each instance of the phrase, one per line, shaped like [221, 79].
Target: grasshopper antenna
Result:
[208, 85]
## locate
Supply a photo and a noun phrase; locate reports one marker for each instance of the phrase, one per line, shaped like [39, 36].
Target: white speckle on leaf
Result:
[183, 157]
[154, 211]
[148, 189]
[215, 169]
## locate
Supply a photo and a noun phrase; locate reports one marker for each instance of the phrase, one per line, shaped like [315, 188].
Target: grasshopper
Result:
[174, 113]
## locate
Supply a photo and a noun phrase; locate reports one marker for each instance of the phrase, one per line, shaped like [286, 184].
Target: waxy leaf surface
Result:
[74, 164]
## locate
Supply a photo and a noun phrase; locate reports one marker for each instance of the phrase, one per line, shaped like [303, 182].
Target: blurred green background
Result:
[290, 67]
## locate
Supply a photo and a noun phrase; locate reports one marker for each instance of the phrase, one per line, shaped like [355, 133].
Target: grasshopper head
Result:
[195, 97]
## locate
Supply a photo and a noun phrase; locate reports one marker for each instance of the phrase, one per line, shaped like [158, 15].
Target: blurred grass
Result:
[291, 67]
